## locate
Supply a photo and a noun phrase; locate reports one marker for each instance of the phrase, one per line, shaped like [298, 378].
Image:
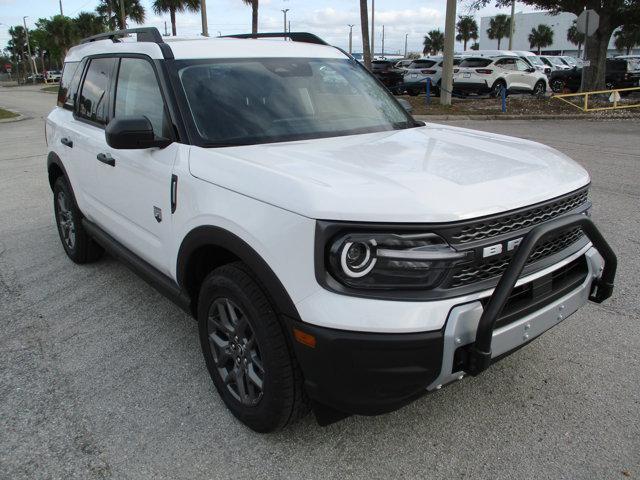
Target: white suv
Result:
[492, 75]
[337, 254]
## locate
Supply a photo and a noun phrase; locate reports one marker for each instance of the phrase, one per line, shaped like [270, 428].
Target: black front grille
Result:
[538, 293]
[466, 275]
[518, 220]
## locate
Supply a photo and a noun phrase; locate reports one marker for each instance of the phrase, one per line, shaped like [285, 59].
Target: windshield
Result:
[535, 60]
[556, 61]
[570, 61]
[252, 101]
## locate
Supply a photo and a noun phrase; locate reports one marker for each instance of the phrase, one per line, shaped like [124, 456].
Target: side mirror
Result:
[128, 133]
[531, 70]
[405, 104]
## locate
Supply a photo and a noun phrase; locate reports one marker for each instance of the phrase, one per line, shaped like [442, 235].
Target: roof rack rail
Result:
[145, 34]
[303, 37]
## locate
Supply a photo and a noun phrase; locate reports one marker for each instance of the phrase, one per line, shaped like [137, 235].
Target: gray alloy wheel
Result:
[235, 351]
[539, 89]
[65, 220]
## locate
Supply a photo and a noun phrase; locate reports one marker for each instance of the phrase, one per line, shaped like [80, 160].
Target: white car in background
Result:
[490, 75]
[555, 62]
[416, 75]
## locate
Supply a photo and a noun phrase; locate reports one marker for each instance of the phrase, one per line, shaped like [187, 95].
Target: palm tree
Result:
[364, 22]
[467, 29]
[254, 14]
[541, 37]
[174, 6]
[575, 37]
[88, 24]
[60, 33]
[499, 28]
[110, 11]
[433, 42]
[626, 38]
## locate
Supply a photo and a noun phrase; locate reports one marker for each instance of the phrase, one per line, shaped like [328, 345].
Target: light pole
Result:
[406, 40]
[284, 11]
[350, 38]
[26, 32]
[513, 22]
[61, 8]
[203, 15]
[373, 28]
[383, 40]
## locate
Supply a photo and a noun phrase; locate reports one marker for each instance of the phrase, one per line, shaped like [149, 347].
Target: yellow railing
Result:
[585, 104]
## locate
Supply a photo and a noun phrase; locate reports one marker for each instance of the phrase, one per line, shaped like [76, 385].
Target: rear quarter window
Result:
[69, 84]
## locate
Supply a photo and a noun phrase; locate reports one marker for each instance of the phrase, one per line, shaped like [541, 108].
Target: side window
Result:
[68, 84]
[507, 64]
[138, 94]
[521, 65]
[94, 96]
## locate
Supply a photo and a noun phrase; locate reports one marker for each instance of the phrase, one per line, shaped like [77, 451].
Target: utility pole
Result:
[33, 66]
[513, 24]
[289, 26]
[350, 38]
[406, 40]
[61, 8]
[449, 43]
[383, 40]
[373, 29]
[123, 17]
[203, 14]
[284, 11]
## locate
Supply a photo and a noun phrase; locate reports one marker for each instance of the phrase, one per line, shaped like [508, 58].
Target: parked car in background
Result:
[571, 61]
[419, 71]
[634, 61]
[37, 78]
[554, 62]
[620, 73]
[480, 75]
[387, 73]
[403, 64]
[53, 75]
[534, 60]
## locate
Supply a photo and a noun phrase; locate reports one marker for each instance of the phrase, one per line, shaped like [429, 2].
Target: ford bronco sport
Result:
[338, 255]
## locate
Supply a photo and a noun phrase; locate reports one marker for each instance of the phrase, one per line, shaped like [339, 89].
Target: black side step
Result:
[150, 274]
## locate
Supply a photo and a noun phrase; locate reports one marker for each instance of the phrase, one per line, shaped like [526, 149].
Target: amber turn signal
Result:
[304, 338]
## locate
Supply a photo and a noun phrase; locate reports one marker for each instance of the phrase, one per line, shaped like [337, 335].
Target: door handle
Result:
[67, 142]
[106, 158]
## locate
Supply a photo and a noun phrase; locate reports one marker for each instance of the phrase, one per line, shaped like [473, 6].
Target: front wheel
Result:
[557, 86]
[539, 89]
[246, 351]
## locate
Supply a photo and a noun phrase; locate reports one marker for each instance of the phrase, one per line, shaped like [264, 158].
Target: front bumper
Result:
[374, 373]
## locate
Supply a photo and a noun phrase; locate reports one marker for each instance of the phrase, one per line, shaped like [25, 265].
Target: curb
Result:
[566, 116]
[19, 118]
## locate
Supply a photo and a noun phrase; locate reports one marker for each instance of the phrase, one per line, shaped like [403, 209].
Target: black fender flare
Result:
[218, 237]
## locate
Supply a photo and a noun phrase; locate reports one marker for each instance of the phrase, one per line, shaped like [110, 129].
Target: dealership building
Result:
[525, 22]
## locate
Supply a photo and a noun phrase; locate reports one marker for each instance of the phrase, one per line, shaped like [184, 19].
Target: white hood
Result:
[428, 174]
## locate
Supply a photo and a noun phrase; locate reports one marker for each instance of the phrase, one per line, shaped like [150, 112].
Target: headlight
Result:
[390, 261]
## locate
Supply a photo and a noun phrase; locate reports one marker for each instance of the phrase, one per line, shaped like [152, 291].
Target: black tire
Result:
[497, 88]
[557, 86]
[281, 399]
[414, 92]
[539, 89]
[77, 243]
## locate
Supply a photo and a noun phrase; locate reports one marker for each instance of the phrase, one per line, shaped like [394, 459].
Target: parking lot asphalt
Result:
[101, 377]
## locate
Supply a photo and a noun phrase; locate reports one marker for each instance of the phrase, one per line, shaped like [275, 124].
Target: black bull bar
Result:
[601, 289]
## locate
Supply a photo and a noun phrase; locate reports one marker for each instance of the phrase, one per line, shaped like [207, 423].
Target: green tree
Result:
[627, 37]
[499, 28]
[433, 42]
[175, 6]
[109, 10]
[17, 46]
[60, 34]
[575, 37]
[612, 13]
[254, 14]
[467, 29]
[541, 37]
[88, 24]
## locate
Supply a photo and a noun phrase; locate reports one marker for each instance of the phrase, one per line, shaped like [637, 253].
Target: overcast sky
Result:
[326, 18]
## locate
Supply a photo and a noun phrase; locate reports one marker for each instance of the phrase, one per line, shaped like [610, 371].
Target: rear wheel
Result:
[246, 351]
[498, 86]
[414, 92]
[77, 243]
